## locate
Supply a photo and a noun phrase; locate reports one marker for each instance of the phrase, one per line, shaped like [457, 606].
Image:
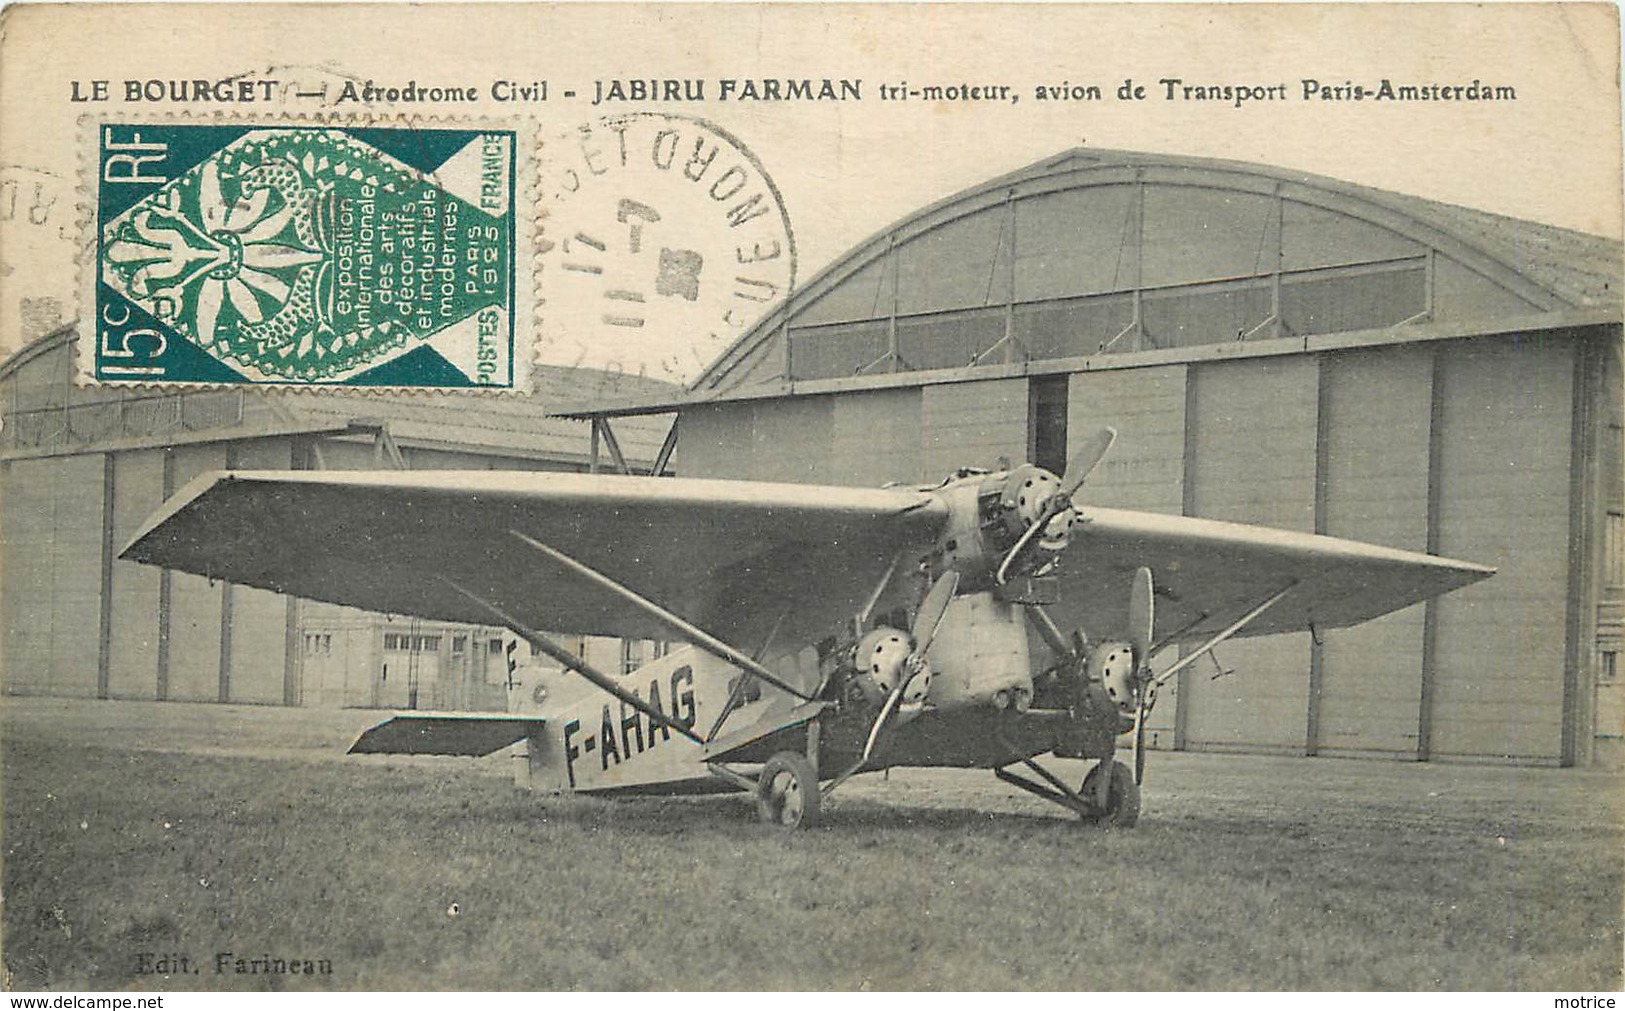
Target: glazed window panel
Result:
[864, 295]
[962, 264]
[1204, 316]
[1316, 237]
[1075, 327]
[948, 340]
[827, 352]
[1334, 304]
[1194, 234]
[1075, 242]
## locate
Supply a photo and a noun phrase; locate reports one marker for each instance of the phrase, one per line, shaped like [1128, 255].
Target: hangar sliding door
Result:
[194, 602]
[1506, 414]
[876, 438]
[791, 441]
[716, 441]
[257, 620]
[53, 556]
[138, 491]
[772, 440]
[972, 425]
[1251, 458]
[30, 523]
[1374, 471]
[1144, 470]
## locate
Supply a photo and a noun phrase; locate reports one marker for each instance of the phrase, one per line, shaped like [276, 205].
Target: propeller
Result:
[1086, 459]
[933, 609]
[1142, 623]
[1078, 469]
[926, 622]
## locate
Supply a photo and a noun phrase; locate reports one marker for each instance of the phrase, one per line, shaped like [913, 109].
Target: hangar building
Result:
[82, 468]
[1273, 348]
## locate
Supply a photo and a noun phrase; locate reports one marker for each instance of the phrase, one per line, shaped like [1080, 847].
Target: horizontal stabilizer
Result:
[448, 734]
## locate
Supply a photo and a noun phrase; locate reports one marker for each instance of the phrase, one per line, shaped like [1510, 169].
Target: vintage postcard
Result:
[725, 496]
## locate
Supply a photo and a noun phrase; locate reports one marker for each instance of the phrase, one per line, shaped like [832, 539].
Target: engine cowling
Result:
[988, 516]
[1111, 675]
[884, 658]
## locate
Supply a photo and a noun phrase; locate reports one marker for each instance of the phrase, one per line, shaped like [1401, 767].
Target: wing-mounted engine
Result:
[1092, 680]
[877, 664]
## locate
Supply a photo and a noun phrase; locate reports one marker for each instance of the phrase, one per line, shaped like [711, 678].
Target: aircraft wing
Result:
[731, 557]
[1208, 573]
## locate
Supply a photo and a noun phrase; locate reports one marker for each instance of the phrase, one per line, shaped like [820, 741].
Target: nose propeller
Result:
[1078, 469]
[932, 610]
[1142, 622]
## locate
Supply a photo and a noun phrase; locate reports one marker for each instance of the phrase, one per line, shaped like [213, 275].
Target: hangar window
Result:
[413, 643]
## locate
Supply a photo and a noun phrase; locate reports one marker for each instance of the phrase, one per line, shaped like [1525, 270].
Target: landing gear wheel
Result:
[1122, 806]
[787, 793]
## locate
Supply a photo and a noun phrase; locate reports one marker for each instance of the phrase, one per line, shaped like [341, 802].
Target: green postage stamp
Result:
[306, 255]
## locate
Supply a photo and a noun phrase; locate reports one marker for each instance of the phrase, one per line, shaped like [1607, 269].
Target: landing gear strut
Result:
[1109, 795]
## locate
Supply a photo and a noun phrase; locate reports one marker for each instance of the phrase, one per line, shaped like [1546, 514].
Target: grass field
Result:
[149, 828]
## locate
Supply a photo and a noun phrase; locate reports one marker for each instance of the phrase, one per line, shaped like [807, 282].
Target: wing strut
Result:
[1230, 630]
[575, 663]
[1149, 686]
[687, 630]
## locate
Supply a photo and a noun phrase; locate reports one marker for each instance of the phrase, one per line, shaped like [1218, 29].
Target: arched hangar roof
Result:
[1105, 252]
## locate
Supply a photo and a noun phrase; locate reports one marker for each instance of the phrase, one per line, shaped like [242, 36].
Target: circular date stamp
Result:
[663, 239]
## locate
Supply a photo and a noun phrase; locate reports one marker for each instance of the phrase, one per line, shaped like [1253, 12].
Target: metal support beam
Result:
[572, 662]
[684, 629]
[104, 628]
[667, 448]
[166, 589]
[613, 445]
[1430, 612]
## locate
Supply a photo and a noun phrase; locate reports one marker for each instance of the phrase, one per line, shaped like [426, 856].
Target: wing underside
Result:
[1207, 573]
[735, 558]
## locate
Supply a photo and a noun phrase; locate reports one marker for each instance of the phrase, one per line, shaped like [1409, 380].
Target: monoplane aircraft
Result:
[829, 631]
